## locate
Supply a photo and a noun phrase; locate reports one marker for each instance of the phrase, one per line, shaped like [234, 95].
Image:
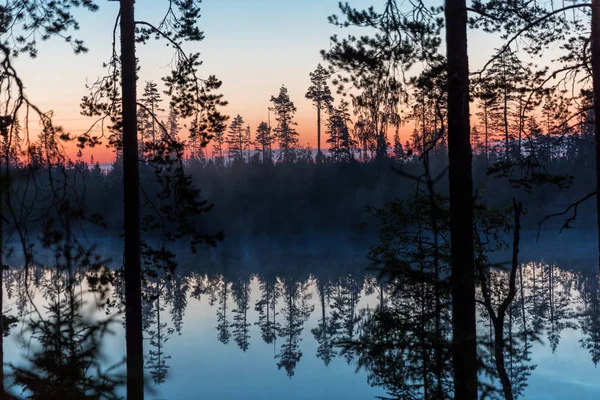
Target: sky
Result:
[253, 46]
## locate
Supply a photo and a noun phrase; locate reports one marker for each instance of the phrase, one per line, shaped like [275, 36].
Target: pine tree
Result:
[241, 327]
[341, 143]
[247, 141]
[235, 139]
[295, 311]
[486, 99]
[320, 94]
[285, 133]
[266, 307]
[364, 135]
[264, 140]
[398, 149]
[217, 147]
[173, 123]
[147, 116]
[428, 111]
[464, 340]
[502, 91]
[223, 324]
[325, 332]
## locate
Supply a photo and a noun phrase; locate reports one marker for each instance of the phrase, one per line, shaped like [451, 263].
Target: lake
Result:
[308, 327]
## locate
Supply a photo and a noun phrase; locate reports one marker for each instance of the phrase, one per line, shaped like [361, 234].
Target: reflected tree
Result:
[156, 329]
[68, 364]
[559, 313]
[222, 294]
[295, 311]
[240, 291]
[266, 307]
[345, 296]
[176, 291]
[325, 332]
[589, 318]
[399, 355]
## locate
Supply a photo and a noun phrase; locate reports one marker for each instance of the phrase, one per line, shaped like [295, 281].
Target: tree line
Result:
[531, 125]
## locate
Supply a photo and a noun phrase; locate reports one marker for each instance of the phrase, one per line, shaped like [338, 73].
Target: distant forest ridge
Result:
[306, 195]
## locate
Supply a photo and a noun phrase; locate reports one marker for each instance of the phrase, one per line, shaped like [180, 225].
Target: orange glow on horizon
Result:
[306, 128]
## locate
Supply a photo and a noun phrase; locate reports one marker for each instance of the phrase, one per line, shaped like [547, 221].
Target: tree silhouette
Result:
[177, 289]
[345, 296]
[264, 140]
[325, 332]
[545, 26]
[147, 116]
[194, 100]
[223, 324]
[428, 109]
[266, 307]
[464, 345]
[285, 133]
[503, 88]
[589, 321]
[320, 94]
[341, 143]
[158, 332]
[235, 140]
[69, 363]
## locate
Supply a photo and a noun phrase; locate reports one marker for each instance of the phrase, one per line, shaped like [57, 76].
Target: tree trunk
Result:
[318, 133]
[521, 123]
[505, 118]
[485, 122]
[464, 344]
[3, 185]
[504, 308]
[499, 355]
[131, 195]
[596, 88]
[524, 315]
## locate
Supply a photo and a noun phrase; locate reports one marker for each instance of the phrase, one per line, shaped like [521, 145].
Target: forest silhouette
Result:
[401, 257]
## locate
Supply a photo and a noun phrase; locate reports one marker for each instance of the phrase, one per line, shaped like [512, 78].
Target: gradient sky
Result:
[252, 46]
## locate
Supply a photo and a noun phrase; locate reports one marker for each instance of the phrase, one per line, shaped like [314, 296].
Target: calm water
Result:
[240, 331]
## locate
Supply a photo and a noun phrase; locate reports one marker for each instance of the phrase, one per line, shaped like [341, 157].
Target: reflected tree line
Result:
[389, 327]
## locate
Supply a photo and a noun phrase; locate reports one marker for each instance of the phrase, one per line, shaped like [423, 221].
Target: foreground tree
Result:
[402, 39]
[131, 206]
[464, 338]
[193, 100]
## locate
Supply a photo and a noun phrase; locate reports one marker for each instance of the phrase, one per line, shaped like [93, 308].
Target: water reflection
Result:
[64, 339]
[397, 333]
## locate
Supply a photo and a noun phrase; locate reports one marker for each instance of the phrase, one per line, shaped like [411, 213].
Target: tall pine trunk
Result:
[464, 345]
[318, 133]
[596, 88]
[485, 122]
[131, 197]
[3, 186]
[521, 122]
[505, 116]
